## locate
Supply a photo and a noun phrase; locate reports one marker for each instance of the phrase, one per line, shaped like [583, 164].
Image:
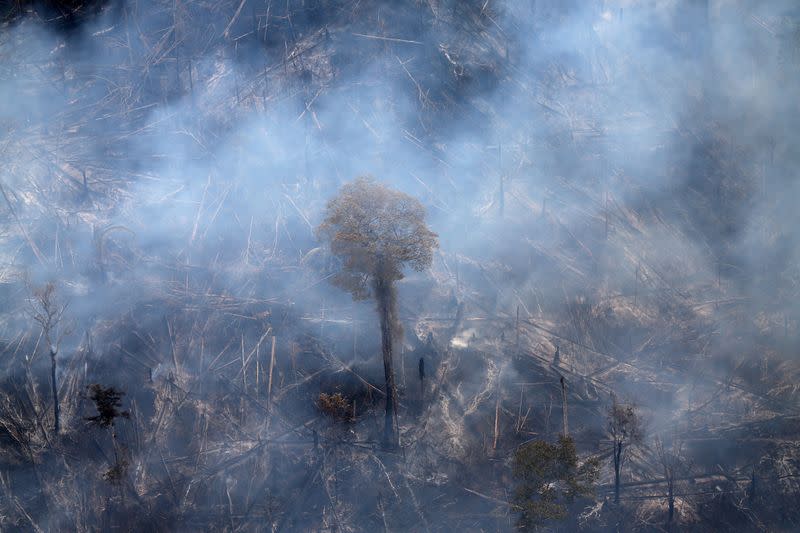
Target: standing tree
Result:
[550, 477]
[48, 312]
[376, 231]
[625, 428]
[107, 401]
[671, 458]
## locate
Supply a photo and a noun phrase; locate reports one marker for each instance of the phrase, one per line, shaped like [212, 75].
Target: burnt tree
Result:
[625, 429]
[376, 232]
[107, 401]
[670, 455]
[48, 312]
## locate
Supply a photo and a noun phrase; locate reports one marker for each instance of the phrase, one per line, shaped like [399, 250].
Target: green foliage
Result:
[550, 477]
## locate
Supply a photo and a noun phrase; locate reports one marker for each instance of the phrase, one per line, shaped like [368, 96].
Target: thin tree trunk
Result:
[421, 383]
[271, 368]
[502, 194]
[617, 461]
[56, 414]
[496, 420]
[671, 499]
[385, 302]
[564, 409]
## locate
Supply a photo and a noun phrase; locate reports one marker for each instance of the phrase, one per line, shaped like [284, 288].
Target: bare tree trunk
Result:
[502, 193]
[421, 383]
[271, 368]
[617, 464]
[564, 410]
[496, 420]
[385, 296]
[671, 501]
[56, 413]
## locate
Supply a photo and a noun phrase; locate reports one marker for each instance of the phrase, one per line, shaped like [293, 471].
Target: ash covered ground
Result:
[613, 184]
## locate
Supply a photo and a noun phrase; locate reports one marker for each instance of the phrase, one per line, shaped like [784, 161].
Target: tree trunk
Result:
[56, 414]
[671, 499]
[617, 464]
[564, 410]
[421, 383]
[385, 297]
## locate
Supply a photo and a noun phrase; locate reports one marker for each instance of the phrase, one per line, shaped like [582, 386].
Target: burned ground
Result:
[612, 182]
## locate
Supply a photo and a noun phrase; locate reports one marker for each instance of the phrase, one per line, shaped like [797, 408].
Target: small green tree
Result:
[550, 477]
[376, 232]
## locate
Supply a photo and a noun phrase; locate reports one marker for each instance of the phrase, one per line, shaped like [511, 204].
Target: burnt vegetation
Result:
[375, 232]
[567, 299]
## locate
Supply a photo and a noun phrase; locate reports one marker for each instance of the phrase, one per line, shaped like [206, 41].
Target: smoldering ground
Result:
[614, 178]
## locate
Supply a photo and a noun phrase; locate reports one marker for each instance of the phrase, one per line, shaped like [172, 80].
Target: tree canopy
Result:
[624, 424]
[107, 400]
[375, 231]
